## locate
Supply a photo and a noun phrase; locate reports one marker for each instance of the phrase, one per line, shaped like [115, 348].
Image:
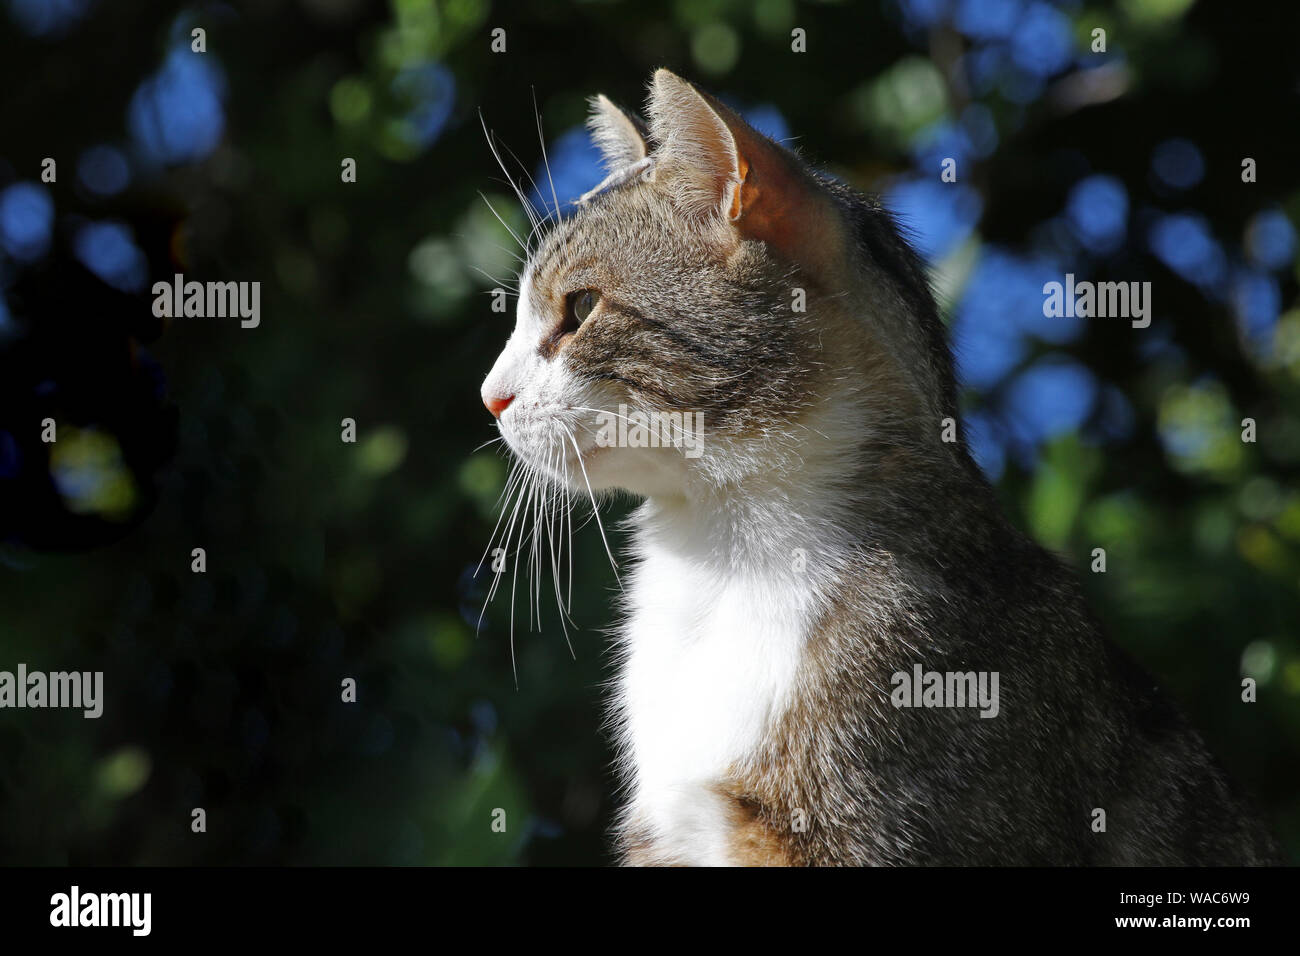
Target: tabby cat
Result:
[831, 544]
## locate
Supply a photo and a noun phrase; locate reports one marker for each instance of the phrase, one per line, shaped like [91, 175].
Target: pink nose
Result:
[498, 405]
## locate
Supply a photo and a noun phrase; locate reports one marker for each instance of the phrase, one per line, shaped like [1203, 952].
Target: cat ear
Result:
[718, 166]
[620, 137]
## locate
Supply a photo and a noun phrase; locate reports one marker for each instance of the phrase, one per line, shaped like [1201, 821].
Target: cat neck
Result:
[767, 523]
[816, 509]
[736, 536]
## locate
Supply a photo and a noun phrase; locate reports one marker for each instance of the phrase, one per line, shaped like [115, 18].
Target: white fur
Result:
[718, 608]
[552, 412]
[711, 661]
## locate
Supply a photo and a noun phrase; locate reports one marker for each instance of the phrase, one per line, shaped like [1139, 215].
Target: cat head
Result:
[714, 310]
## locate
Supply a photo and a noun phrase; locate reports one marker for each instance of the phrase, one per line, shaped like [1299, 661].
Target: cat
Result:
[825, 543]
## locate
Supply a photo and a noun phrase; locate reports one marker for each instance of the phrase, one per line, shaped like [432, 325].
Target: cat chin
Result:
[597, 468]
[650, 472]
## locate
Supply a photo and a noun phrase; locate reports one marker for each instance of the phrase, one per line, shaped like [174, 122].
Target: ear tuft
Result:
[716, 166]
[620, 137]
[695, 148]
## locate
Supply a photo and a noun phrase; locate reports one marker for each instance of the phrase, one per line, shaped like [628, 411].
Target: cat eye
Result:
[579, 305]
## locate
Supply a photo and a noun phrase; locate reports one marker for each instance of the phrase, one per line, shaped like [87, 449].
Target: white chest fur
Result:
[710, 661]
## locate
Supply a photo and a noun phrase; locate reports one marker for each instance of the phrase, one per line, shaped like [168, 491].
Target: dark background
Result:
[328, 560]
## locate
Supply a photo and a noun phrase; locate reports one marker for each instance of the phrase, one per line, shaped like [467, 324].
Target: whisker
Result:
[511, 287]
[503, 222]
[496, 154]
[511, 482]
[514, 581]
[538, 222]
[595, 509]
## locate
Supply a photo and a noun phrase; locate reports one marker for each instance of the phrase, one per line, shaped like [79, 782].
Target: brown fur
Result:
[913, 561]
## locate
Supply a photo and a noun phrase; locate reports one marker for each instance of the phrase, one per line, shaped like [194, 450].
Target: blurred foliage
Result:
[328, 560]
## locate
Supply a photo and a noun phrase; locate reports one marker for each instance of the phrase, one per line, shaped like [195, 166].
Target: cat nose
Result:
[496, 405]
